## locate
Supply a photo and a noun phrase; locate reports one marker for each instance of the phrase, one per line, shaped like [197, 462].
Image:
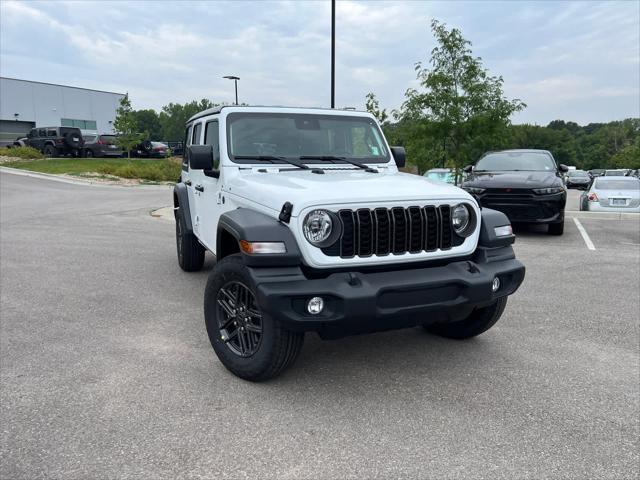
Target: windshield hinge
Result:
[285, 212]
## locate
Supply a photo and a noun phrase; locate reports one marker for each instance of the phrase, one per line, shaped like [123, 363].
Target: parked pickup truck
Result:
[313, 228]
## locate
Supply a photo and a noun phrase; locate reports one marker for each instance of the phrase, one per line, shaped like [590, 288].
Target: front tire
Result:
[249, 343]
[556, 228]
[190, 251]
[478, 321]
[50, 151]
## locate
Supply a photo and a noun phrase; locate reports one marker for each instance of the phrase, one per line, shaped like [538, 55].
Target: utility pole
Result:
[333, 53]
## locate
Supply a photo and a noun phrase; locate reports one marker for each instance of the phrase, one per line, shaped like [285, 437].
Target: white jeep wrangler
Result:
[314, 229]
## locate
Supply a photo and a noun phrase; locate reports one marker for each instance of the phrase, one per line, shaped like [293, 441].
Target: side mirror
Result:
[563, 168]
[399, 155]
[468, 169]
[200, 157]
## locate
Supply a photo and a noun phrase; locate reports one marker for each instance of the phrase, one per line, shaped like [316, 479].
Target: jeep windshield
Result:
[311, 137]
[515, 161]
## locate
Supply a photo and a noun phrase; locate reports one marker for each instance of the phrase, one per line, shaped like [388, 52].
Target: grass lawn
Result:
[156, 170]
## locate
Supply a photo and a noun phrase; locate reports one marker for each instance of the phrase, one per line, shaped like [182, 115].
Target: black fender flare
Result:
[490, 220]
[181, 202]
[253, 226]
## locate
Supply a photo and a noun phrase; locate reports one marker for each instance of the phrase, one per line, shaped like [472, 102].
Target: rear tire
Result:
[478, 321]
[229, 317]
[50, 151]
[88, 153]
[556, 228]
[190, 251]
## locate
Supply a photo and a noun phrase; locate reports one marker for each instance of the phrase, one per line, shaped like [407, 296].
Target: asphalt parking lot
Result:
[106, 370]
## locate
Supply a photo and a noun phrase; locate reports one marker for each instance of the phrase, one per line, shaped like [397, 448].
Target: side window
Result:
[42, 133]
[211, 137]
[197, 128]
[52, 133]
[185, 150]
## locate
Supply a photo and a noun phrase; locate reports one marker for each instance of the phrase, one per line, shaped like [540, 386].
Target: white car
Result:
[313, 228]
[612, 194]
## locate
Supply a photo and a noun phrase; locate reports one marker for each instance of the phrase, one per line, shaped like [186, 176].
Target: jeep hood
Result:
[339, 187]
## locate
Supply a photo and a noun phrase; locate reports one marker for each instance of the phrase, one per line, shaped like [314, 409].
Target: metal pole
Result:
[333, 53]
[236, 82]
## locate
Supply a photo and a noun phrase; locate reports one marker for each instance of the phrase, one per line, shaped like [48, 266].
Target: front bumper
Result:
[528, 208]
[359, 302]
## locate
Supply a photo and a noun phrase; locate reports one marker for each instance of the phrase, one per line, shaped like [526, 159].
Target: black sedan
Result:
[526, 185]
[578, 179]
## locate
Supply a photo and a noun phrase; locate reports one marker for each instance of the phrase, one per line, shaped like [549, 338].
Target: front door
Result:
[209, 199]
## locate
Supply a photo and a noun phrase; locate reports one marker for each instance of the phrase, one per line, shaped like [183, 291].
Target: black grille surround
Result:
[393, 231]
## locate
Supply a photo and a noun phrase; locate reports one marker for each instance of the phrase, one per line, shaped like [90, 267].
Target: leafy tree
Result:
[458, 102]
[373, 107]
[126, 126]
[174, 116]
[628, 157]
[148, 122]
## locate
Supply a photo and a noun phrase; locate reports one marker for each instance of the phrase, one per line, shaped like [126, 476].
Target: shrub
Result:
[27, 153]
[157, 171]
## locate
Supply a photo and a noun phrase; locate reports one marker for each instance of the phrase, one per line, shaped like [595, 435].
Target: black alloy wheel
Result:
[239, 319]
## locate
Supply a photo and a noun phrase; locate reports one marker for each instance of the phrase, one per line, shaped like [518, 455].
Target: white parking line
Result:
[585, 235]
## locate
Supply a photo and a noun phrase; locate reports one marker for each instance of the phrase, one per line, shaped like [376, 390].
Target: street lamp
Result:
[16, 115]
[235, 80]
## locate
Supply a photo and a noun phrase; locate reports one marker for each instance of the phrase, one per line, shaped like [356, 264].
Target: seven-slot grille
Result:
[384, 231]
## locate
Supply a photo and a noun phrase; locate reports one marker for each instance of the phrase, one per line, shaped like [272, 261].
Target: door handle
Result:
[187, 183]
[199, 188]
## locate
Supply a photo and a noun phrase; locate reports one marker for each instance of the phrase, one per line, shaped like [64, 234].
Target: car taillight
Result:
[593, 197]
[158, 149]
[59, 140]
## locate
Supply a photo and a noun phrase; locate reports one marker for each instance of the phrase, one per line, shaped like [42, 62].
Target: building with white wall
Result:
[25, 104]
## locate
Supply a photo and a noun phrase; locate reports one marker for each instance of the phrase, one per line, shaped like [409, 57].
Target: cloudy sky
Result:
[576, 61]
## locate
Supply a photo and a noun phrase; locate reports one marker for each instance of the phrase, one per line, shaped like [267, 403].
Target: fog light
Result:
[315, 305]
[495, 286]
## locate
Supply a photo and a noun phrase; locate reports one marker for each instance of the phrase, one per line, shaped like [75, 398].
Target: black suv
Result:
[56, 141]
[526, 185]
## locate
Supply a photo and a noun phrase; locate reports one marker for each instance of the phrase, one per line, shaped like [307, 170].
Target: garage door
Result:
[10, 130]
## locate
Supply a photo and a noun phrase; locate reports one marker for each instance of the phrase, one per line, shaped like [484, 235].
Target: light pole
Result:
[333, 53]
[235, 80]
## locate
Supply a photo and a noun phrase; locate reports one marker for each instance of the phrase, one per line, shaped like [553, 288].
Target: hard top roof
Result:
[214, 110]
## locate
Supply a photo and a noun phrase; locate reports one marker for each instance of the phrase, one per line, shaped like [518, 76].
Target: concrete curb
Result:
[603, 215]
[79, 181]
[164, 214]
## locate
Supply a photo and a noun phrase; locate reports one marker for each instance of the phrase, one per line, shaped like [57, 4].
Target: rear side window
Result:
[185, 152]
[52, 133]
[211, 137]
[42, 133]
[195, 140]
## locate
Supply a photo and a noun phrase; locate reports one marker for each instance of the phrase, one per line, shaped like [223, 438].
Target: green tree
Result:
[126, 127]
[174, 116]
[628, 157]
[148, 122]
[464, 105]
[373, 107]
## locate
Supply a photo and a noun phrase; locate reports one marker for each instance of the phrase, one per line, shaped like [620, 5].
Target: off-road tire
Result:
[556, 228]
[478, 321]
[190, 251]
[50, 151]
[277, 348]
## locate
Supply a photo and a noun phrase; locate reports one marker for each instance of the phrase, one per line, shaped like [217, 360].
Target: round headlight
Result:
[460, 218]
[317, 226]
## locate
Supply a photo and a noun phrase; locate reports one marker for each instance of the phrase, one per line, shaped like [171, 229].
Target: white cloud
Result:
[556, 56]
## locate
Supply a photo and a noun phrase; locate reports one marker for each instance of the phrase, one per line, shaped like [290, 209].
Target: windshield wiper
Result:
[272, 159]
[332, 159]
